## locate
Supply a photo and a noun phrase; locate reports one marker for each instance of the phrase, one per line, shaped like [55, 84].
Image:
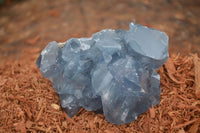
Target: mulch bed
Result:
[28, 102]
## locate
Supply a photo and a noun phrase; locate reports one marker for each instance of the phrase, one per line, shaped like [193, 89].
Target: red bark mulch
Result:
[28, 103]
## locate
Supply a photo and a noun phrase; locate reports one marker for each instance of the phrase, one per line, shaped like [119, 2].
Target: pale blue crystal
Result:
[113, 72]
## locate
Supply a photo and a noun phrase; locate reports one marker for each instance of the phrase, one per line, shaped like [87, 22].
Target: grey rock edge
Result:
[113, 72]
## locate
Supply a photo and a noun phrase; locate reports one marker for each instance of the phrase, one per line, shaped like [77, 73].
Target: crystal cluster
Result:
[113, 72]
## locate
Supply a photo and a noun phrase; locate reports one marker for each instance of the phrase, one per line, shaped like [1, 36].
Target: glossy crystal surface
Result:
[113, 72]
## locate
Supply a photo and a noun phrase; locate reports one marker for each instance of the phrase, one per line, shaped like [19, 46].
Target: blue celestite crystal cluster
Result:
[113, 72]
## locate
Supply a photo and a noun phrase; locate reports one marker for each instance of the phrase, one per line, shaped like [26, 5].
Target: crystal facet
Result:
[113, 72]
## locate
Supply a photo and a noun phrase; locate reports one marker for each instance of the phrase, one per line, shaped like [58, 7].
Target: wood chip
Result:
[152, 112]
[33, 40]
[194, 128]
[185, 124]
[197, 75]
[181, 131]
[40, 113]
[29, 124]
[169, 65]
[58, 128]
[55, 106]
[71, 120]
[2, 81]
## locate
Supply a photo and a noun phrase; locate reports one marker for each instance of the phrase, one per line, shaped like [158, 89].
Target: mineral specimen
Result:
[114, 71]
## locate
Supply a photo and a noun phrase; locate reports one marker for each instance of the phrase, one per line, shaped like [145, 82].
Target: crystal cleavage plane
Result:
[113, 72]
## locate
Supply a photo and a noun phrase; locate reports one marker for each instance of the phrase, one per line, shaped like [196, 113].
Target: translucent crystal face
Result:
[147, 42]
[113, 72]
